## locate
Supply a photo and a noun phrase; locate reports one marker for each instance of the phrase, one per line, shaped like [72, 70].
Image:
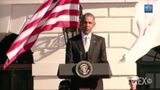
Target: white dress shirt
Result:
[86, 41]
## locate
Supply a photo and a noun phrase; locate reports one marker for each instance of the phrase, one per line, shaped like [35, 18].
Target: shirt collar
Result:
[84, 35]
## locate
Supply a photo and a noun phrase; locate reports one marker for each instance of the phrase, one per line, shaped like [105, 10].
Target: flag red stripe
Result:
[47, 13]
[31, 24]
[64, 12]
[60, 24]
[57, 24]
[47, 3]
[62, 2]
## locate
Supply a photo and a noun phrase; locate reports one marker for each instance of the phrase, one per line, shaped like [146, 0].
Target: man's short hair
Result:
[87, 14]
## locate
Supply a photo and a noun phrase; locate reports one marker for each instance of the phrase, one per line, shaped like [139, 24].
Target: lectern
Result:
[84, 70]
[101, 70]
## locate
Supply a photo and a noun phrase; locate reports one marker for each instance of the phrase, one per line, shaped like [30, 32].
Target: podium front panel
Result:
[100, 70]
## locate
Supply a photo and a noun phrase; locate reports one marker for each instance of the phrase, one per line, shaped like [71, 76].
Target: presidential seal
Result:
[84, 69]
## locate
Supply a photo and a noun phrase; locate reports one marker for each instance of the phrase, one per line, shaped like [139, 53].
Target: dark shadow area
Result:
[15, 79]
[148, 69]
[65, 85]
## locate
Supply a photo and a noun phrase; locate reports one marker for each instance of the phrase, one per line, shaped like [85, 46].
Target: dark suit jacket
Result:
[97, 54]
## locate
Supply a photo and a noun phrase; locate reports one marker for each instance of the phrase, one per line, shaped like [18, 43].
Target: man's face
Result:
[87, 24]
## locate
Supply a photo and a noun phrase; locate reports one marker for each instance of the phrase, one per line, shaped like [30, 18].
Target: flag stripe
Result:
[66, 6]
[62, 18]
[45, 4]
[64, 12]
[59, 24]
[62, 2]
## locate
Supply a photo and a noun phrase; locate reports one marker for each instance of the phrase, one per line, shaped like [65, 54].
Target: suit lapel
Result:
[80, 44]
[92, 45]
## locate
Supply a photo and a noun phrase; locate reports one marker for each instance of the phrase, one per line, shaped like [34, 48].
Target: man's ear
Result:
[94, 24]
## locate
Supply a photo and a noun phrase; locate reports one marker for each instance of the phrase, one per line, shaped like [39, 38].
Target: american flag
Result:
[63, 13]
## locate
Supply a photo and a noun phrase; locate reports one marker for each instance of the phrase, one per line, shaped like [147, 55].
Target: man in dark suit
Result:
[94, 52]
